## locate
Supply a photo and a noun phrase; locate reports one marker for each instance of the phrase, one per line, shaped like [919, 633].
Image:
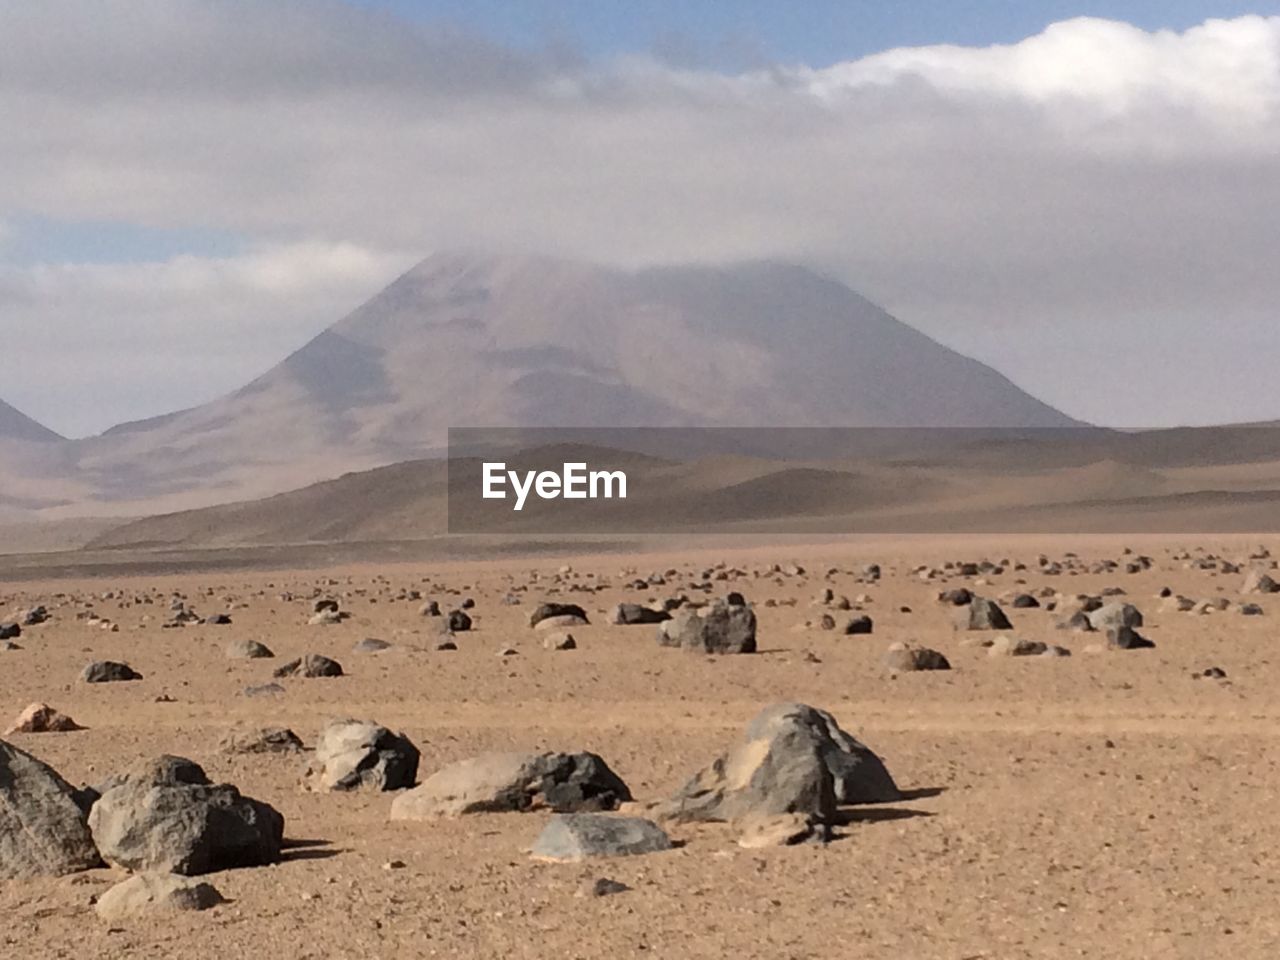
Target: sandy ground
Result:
[1103, 805]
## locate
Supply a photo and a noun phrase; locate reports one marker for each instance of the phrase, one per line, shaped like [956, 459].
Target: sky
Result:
[1085, 195]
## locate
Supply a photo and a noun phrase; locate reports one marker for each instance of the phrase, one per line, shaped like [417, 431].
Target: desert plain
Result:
[1114, 802]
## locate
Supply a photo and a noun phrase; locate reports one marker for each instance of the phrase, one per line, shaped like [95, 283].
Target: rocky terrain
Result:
[964, 747]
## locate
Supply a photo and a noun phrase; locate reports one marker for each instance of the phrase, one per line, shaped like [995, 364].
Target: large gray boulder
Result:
[108, 671]
[1112, 616]
[795, 761]
[359, 755]
[781, 774]
[545, 611]
[151, 893]
[721, 627]
[582, 836]
[42, 828]
[983, 614]
[501, 782]
[1256, 581]
[859, 776]
[165, 815]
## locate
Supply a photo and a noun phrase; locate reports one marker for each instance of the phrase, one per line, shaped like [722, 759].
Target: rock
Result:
[312, 665]
[858, 625]
[721, 628]
[581, 836]
[1024, 601]
[959, 597]
[108, 671]
[325, 606]
[165, 815]
[906, 658]
[1258, 582]
[1250, 610]
[371, 645]
[458, 621]
[633, 614]
[42, 718]
[218, 620]
[248, 650]
[1115, 615]
[149, 893]
[1126, 638]
[1213, 673]
[42, 826]
[1008, 647]
[559, 640]
[785, 773]
[360, 755]
[600, 887]
[429, 609]
[325, 618]
[547, 610]
[858, 774]
[34, 616]
[984, 614]
[446, 645]
[264, 690]
[10, 631]
[498, 782]
[260, 740]
[779, 830]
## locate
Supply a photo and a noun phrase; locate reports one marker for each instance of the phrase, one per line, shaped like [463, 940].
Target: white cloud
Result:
[1091, 186]
[100, 344]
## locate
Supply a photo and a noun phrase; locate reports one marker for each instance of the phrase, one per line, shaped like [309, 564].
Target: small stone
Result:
[906, 658]
[778, 830]
[264, 690]
[581, 836]
[600, 887]
[312, 665]
[42, 718]
[559, 640]
[147, 893]
[248, 650]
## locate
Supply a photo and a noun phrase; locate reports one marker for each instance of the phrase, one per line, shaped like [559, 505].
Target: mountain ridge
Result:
[16, 425]
[481, 339]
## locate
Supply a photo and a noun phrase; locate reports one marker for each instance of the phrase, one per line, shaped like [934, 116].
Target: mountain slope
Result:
[477, 339]
[16, 425]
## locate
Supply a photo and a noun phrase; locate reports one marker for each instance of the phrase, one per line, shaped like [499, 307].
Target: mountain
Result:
[16, 425]
[487, 340]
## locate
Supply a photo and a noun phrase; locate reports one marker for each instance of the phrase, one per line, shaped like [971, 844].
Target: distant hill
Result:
[1053, 482]
[16, 425]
